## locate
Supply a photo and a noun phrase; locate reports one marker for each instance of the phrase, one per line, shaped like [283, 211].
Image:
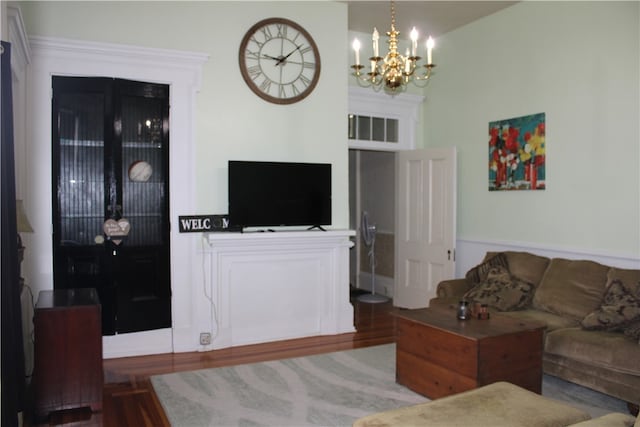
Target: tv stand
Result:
[319, 227]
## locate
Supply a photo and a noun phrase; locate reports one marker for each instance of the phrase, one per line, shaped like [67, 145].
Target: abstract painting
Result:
[517, 153]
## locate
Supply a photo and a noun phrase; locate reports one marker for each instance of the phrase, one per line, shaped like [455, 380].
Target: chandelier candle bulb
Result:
[356, 48]
[375, 38]
[414, 41]
[430, 45]
[407, 63]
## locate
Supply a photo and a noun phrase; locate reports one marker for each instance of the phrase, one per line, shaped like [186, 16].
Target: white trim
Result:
[470, 252]
[18, 36]
[20, 59]
[180, 70]
[403, 107]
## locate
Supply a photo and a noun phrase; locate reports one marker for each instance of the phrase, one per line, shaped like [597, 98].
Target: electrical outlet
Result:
[205, 338]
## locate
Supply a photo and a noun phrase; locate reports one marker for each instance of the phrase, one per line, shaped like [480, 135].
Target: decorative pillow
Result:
[619, 308]
[479, 273]
[501, 291]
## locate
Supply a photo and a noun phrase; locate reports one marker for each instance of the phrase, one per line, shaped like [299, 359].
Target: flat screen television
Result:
[265, 194]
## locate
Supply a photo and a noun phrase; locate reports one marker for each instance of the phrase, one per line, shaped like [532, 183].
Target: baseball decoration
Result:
[140, 171]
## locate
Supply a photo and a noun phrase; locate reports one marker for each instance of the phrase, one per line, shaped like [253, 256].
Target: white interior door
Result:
[425, 224]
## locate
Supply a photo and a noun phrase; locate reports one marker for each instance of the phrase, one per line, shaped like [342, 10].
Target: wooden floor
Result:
[129, 399]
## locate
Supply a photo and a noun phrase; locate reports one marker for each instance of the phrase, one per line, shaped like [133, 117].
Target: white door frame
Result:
[182, 72]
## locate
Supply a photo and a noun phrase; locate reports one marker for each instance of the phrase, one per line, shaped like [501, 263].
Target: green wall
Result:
[578, 62]
[232, 123]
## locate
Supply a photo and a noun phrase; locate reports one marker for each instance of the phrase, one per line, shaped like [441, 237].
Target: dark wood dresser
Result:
[68, 351]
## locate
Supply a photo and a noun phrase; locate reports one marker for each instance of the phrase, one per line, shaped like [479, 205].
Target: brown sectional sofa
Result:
[564, 293]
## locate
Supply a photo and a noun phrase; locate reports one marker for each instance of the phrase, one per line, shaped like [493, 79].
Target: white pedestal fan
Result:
[369, 237]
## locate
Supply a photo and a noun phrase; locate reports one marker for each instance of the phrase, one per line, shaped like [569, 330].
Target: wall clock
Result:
[279, 61]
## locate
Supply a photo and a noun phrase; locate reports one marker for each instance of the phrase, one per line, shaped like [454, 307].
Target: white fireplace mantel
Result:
[268, 286]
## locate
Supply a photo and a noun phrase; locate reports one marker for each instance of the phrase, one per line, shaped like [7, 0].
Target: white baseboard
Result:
[470, 252]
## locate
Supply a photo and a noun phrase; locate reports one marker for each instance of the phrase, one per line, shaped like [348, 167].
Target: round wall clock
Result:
[279, 61]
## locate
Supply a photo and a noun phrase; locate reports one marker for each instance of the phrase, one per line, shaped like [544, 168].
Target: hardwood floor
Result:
[129, 399]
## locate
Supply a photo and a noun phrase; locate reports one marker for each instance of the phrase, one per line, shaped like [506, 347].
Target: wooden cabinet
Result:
[438, 355]
[68, 351]
[110, 165]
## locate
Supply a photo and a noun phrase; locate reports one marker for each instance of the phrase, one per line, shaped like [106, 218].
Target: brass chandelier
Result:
[394, 71]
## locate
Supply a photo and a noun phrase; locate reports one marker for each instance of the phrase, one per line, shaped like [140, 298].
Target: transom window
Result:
[378, 121]
[367, 128]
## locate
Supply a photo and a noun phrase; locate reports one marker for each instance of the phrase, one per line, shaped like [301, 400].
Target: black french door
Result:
[111, 197]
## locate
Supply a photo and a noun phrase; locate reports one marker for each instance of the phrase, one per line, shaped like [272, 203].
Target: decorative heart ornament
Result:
[116, 230]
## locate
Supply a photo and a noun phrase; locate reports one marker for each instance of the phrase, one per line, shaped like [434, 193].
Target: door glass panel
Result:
[392, 130]
[378, 129]
[352, 126]
[364, 128]
[81, 179]
[143, 169]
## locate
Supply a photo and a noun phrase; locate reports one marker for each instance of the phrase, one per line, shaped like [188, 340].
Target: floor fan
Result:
[369, 237]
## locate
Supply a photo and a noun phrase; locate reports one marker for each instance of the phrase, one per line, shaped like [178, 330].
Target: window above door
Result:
[378, 121]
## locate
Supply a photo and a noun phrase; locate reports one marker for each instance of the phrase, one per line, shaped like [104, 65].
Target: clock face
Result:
[279, 61]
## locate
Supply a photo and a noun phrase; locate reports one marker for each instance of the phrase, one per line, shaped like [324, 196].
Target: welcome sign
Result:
[203, 223]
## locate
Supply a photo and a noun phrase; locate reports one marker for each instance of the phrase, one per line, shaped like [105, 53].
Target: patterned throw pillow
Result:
[620, 308]
[479, 273]
[501, 291]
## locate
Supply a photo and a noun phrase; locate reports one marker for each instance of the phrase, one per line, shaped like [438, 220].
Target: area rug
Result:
[332, 389]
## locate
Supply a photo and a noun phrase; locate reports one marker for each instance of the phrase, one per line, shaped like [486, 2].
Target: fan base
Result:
[372, 298]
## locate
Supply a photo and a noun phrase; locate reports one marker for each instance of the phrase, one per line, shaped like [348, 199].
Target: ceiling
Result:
[429, 17]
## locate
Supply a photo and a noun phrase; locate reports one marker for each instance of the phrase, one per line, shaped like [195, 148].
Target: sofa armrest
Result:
[452, 288]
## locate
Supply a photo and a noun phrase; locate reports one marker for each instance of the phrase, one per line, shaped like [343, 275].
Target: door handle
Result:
[449, 255]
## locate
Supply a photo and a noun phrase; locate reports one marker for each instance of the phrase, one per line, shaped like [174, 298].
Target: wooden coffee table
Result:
[438, 355]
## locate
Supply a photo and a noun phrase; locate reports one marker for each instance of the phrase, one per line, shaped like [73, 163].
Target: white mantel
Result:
[268, 286]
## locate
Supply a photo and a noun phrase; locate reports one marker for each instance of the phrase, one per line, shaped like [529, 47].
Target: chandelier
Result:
[394, 71]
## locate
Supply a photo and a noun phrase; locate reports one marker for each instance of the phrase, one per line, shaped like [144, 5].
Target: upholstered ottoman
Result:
[497, 404]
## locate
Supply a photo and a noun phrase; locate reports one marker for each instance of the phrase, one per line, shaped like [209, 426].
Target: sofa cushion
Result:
[614, 419]
[499, 404]
[619, 308]
[479, 273]
[501, 290]
[609, 350]
[524, 265]
[572, 288]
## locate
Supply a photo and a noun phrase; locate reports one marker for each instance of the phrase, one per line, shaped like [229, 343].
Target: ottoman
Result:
[497, 404]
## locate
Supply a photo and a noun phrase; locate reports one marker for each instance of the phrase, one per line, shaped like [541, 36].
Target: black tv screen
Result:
[263, 194]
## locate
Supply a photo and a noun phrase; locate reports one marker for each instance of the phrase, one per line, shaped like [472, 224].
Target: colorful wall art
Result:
[517, 158]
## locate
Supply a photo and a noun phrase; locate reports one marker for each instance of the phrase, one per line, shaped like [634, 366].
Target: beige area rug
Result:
[332, 389]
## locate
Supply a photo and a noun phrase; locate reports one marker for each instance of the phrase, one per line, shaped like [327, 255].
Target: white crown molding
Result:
[20, 50]
[133, 56]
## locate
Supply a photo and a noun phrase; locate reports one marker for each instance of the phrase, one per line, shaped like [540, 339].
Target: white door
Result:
[425, 224]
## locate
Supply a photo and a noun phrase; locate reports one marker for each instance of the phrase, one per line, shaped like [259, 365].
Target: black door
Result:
[111, 197]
